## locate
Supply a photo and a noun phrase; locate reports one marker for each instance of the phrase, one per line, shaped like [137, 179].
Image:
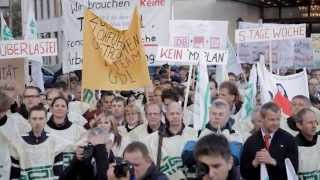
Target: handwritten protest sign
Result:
[198, 34]
[12, 75]
[28, 48]
[154, 18]
[271, 33]
[303, 53]
[113, 59]
[284, 53]
[173, 55]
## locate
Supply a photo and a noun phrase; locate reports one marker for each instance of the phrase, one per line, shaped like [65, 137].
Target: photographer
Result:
[214, 159]
[137, 165]
[91, 161]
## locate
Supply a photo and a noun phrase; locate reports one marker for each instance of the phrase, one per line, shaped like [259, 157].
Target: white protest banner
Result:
[155, 21]
[281, 89]
[155, 17]
[249, 98]
[315, 38]
[117, 13]
[173, 55]
[280, 32]
[202, 97]
[198, 34]
[283, 51]
[303, 53]
[28, 48]
[291, 172]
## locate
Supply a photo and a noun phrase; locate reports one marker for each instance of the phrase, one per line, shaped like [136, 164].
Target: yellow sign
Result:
[113, 59]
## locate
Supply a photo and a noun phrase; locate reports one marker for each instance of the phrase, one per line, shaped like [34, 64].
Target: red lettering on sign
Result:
[151, 3]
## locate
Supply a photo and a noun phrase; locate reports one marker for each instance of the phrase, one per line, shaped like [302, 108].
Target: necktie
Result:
[267, 138]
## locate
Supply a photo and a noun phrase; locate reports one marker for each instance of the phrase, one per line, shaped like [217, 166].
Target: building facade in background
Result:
[48, 15]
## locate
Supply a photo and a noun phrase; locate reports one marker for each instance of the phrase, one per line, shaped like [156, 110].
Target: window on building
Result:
[48, 8]
[35, 9]
[41, 8]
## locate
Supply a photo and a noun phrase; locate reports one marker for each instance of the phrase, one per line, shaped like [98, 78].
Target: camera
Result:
[88, 151]
[202, 170]
[122, 167]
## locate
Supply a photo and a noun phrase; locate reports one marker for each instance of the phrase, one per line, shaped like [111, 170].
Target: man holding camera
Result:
[91, 161]
[137, 164]
[214, 159]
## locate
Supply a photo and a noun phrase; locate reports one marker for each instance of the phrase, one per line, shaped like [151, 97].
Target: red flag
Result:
[283, 102]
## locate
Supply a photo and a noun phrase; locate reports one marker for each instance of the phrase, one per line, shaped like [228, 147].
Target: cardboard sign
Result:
[172, 55]
[113, 59]
[271, 33]
[28, 48]
[12, 75]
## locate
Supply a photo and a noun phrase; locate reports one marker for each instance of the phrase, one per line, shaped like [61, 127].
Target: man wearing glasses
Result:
[153, 116]
[31, 97]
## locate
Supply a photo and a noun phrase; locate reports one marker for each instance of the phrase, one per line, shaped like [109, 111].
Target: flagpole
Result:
[172, 18]
[270, 56]
[186, 97]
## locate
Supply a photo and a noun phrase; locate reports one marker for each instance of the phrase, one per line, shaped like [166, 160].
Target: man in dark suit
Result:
[270, 146]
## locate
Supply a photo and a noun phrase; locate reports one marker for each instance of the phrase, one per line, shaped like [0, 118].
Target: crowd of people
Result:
[148, 135]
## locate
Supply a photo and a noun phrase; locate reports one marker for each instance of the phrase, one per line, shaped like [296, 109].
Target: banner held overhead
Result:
[28, 48]
[113, 59]
[271, 33]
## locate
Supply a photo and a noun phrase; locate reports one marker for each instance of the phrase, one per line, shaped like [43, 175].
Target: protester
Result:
[256, 121]
[157, 92]
[51, 94]
[308, 144]
[298, 103]
[106, 99]
[59, 124]
[166, 146]
[5, 129]
[314, 85]
[118, 105]
[153, 115]
[213, 89]
[133, 118]
[220, 122]
[229, 92]
[315, 73]
[269, 146]
[37, 152]
[108, 122]
[214, 159]
[74, 114]
[98, 151]
[31, 97]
